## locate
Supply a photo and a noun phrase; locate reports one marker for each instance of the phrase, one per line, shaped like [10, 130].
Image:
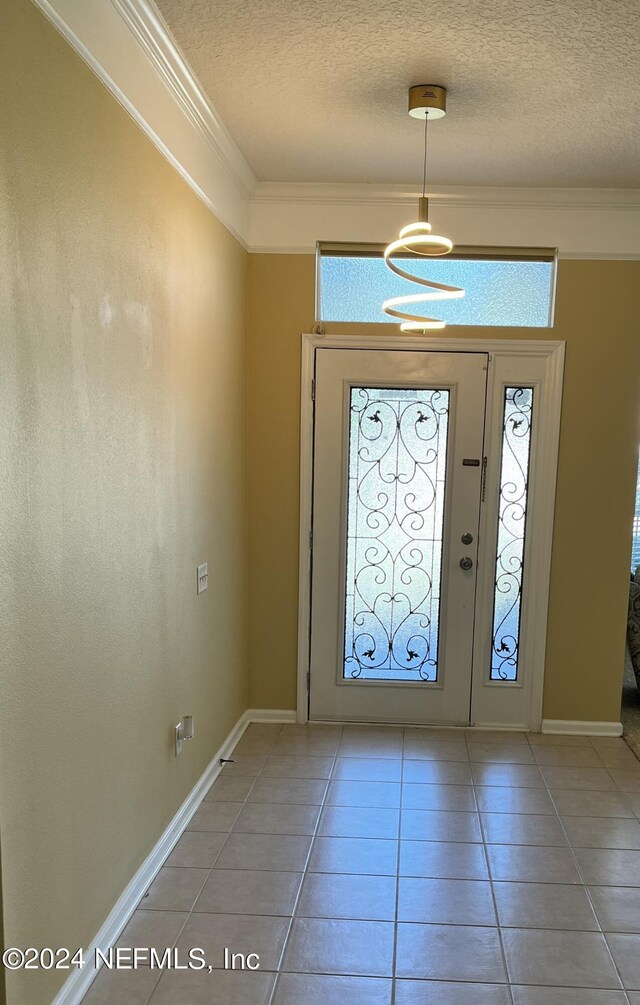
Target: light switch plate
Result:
[203, 578]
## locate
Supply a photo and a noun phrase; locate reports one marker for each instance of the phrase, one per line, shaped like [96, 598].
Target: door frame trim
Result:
[552, 353]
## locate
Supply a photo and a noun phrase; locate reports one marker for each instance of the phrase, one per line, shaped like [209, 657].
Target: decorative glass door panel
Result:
[512, 519]
[398, 449]
[395, 525]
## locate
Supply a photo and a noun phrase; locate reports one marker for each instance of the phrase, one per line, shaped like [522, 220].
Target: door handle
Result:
[466, 564]
[467, 538]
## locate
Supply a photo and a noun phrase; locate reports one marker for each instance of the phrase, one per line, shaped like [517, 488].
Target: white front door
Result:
[397, 480]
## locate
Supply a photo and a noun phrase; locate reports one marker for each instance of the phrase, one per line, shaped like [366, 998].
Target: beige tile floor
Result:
[382, 866]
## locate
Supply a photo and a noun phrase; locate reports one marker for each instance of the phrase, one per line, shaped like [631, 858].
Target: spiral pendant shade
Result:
[416, 238]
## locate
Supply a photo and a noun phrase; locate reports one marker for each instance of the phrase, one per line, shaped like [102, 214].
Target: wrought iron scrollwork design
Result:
[397, 460]
[512, 518]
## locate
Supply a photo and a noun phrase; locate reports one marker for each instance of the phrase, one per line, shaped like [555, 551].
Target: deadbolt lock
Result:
[467, 538]
[466, 564]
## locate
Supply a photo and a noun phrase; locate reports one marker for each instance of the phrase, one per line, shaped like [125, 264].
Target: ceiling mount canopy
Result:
[426, 101]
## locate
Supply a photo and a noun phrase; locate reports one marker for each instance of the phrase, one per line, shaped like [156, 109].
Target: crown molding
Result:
[147, 24]
[472, 197]
[129, 47]
[581, 223]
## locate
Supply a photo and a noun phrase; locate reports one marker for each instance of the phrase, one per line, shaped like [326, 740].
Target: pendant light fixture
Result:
[425, 101]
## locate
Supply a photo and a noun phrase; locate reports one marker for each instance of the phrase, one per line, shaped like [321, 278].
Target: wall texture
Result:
[123, 455]
[597, 314]
[124, 380]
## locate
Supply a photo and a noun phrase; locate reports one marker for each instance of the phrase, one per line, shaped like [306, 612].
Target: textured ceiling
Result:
[542, 93]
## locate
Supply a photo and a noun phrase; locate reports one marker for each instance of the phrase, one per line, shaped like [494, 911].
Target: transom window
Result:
[503, 287]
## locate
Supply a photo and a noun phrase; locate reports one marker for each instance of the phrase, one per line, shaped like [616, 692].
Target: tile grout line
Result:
[543, 787]
[490, 877]
[324, 804]
[190, 913]
[621, 792]
[394, 959]
[151, 994]
[284, 945]
[276, 982]
[173, 945]
[246, 799]
[588, 895]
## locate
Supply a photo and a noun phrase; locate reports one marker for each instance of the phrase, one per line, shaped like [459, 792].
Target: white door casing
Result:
[533, 363]
[518, 704]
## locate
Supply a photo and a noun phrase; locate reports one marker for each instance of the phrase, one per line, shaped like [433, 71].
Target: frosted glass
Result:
[512, 518]
[395, 519]
[496, 292]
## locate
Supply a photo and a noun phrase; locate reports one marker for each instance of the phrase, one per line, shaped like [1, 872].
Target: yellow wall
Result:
[597, 314]
[124, 381]
[123, 454]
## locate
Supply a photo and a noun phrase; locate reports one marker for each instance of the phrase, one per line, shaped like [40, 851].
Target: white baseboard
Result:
[577, 727]
[271, 715]
[498, 727]
[77, 985]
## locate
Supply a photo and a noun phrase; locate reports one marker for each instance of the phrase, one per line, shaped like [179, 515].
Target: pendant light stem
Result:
[424, 171]
[423, 202]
